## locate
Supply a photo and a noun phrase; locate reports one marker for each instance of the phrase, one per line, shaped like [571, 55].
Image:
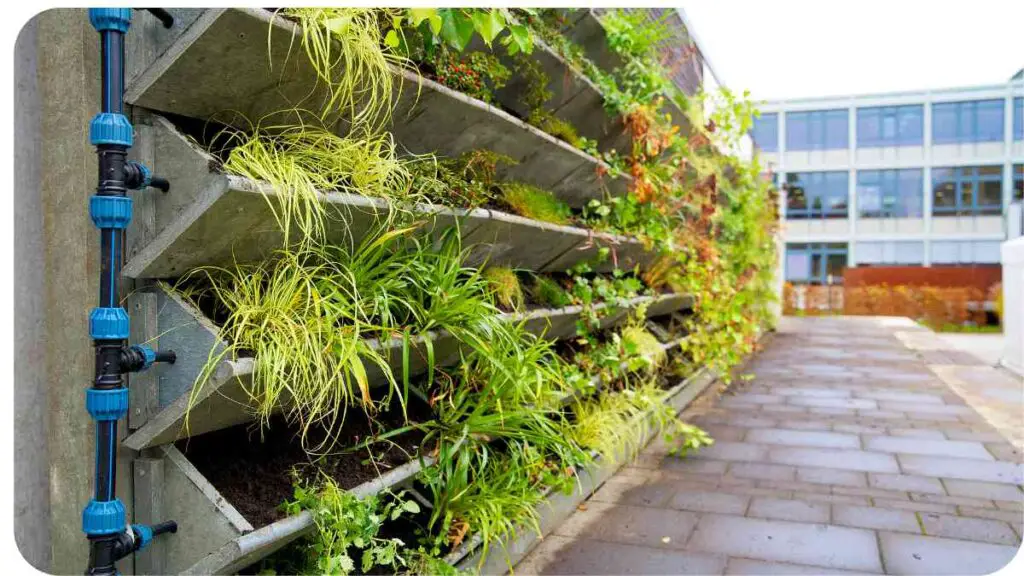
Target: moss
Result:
[556, 127]
[532, 202]
[505, 287]
[548, 293]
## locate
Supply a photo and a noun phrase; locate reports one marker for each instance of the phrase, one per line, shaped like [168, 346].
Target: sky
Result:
[797, 48]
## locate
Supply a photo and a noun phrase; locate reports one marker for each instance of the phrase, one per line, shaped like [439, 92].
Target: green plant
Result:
[478, 74]
[468, 181]
[504, 285]
[641, 344]
[455, 27]
[348, 52]
[345, 523]
[549, 293]
[532, 202]
[557, 127]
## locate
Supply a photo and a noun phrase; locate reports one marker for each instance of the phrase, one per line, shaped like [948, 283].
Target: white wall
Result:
[1013, 304]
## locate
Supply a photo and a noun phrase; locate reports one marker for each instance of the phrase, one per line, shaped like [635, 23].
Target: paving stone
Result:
[832, 477]
[748, 421]
[872, 429]
[952, 500]
[632, 525]
[694, 465]
[786, 509]
[871, 492]
[743, 566]
[915, 554]
[560, 555]
[984, 490]
[1004, 451]
[975, 529]
[802, 438]
[750, 399]
[650, 495]
[813, 544]
[834, 458]
[811, 392]
[881, 414]
[833, 498]
[709, 502]
[917, 433]
[733, 451]
[796, 487]
[762, 471]
[613, 490]
[725, 433]
[957, 449]
[856, 403]
[931, 418]
[914, 505]
[822, 425]
[829, 411]
[962, 468]
[906, 483]
[875, 518]
[919, 408]
[894, 396]
[783, 409]
[1015, 519]
[1017, 506]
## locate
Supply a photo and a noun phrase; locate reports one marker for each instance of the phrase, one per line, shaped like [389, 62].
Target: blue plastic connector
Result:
[110, 19]
[147, 176]
[106, 404]
[101, 518]
[110, 128]
[145, 535]
[108, 324]
[148, 353]
[110, 211]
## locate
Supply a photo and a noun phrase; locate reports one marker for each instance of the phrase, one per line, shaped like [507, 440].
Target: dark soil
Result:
[255, 470]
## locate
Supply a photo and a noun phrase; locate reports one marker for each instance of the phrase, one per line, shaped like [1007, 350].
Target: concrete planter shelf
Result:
[213, 219]
[557, 507]
[223, 401]
[213, 537]
[223, 57]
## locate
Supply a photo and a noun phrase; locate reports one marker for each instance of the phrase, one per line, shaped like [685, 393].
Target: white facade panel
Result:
[889, 157]
[812, 160]
[960, 226]
[890, 227]
[967, 153]
[831, 228]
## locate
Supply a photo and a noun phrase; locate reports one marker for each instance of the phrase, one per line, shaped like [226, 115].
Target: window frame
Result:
[967, 128]
[894, 178]
[819, 180]
[1018, 118]
[900, 136]
[822, 250]
[815, 127]
[764, 122]
[976, 179]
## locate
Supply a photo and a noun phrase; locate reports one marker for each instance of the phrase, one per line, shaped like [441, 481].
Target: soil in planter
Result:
[253, 469]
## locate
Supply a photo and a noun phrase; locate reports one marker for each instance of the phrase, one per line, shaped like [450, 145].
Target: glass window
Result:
[967, 191]
[972, 121]
[890, 126]
[1018, 118]
[816, 263]
[890, 193]
[766, 132]
[817, 195]
[817, 130]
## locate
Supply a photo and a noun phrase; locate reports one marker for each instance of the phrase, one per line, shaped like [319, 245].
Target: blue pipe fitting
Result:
[110, 211]
[110, 128]
[118, 19]
[145, 534]
[102, 518]
[106, 404]
[148, 354]
[147, 176]
[108, 324]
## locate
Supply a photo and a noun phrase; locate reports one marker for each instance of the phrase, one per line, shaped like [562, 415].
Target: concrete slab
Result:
[926, 555]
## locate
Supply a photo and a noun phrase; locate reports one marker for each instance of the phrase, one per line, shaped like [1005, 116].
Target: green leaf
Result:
[456, 29]
[489, 23]
[411, 507]
[521, 37]
[418, 15]
[391, 39]
[338, 25]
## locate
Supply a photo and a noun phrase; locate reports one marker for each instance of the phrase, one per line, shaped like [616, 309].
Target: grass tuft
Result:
[548, 292]
[505, 287]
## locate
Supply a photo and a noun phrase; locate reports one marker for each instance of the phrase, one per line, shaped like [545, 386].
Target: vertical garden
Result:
[433, 266]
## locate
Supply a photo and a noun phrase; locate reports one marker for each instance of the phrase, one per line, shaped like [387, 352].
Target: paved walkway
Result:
[846, 454]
